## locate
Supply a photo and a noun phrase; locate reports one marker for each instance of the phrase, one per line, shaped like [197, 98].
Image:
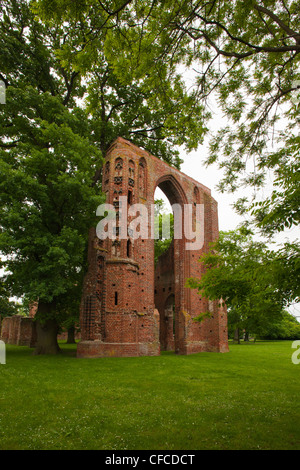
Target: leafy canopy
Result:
[245, 55]
[251, 279]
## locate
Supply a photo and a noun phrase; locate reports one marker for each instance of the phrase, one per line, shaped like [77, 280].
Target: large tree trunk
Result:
[71, 335]
[46, 332]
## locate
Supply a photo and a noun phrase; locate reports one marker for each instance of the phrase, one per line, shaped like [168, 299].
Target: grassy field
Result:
[246, 399]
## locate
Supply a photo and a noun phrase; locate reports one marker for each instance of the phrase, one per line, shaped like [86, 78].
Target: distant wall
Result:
[18, 330]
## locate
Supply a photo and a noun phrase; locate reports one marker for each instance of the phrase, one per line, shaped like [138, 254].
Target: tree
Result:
[288, 328]
[150, 105]
[246, 56]
[7, 306]
[70, 310]
[244, 274]
[65, 104]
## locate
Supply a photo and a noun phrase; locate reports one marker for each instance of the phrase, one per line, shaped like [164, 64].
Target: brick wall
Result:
[18, 330]
[121, 315]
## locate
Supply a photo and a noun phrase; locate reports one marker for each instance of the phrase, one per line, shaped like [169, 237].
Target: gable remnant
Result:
[129, 307]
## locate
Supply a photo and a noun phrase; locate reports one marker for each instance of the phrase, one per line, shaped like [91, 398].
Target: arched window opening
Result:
[142, 181]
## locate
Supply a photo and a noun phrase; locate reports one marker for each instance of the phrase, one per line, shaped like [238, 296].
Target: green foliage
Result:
[202, 316]
[162, 218]
[7, 306]
[281, 209]
[244, 55]
[46, 199]
[66, 101]
[288, 328]
[48, 160]
[252, 280]
[129, 91]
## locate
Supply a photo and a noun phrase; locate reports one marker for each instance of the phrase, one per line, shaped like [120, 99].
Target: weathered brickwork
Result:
[18, 330]
[128, 307]
[21, 331]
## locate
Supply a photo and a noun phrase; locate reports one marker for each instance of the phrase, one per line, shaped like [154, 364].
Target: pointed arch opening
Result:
[170, 265]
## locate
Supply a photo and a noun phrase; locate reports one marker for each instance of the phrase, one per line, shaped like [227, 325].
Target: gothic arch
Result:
[170, 185]
[124, 295]
[173, 268]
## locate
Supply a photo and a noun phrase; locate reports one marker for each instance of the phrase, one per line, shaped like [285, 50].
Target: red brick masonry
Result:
[21, 331]
[128, 307]
[18, 330]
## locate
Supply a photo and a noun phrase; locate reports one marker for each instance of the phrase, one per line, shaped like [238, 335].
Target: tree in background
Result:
[81, 73]
[286, 329]
[162, 217]
[7, 306]
[248, 277]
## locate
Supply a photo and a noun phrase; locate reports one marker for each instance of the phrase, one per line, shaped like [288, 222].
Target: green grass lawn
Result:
[245, 399]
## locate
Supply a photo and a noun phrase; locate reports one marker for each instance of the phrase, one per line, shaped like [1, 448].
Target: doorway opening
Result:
[165, 296]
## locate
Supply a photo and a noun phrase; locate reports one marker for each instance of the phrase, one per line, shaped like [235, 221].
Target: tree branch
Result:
[112, 13]
[280, 23]
[9, 145]
[241, 55]
[69, 86]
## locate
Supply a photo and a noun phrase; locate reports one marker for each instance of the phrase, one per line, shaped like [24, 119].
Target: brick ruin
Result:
[18, 330]
[130, 307]
[21, 331]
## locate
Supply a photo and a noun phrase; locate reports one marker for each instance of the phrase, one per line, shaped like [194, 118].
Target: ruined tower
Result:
[129, 307]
